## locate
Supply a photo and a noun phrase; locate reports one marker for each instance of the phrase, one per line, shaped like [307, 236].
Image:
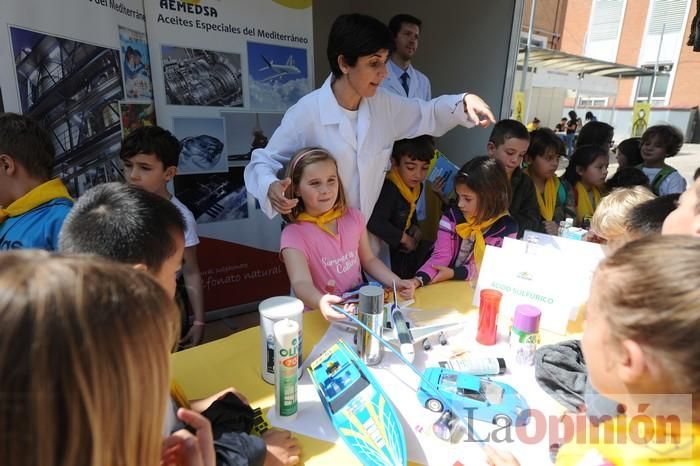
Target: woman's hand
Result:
[444, 273]
[184, 449]
[329, 314]
[478, 110]
[277, 198]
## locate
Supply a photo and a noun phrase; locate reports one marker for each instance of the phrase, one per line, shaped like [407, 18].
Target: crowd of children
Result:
[128, 250]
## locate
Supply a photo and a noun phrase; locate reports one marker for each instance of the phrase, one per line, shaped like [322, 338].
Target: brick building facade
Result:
[629, 32]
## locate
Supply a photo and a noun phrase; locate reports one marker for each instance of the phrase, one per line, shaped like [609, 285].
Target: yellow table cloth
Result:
[235, 361]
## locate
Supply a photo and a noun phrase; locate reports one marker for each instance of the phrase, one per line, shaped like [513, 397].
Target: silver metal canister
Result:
[371, 313]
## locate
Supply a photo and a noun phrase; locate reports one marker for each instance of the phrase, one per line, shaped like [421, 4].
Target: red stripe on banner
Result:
[234, 274]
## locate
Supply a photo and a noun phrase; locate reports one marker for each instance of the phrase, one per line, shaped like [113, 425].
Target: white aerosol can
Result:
[273, 310]
[286, 334]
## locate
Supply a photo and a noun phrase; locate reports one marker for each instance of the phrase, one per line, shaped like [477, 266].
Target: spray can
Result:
[273, 310]
[524, 334]
[286, 334]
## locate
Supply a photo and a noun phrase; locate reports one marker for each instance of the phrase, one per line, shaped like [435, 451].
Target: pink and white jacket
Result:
[448, 243]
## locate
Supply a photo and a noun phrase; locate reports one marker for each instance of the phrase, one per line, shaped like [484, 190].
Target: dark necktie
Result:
[404, 82]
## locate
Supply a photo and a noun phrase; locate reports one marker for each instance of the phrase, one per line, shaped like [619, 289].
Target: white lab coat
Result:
[317, 120]
[418, 83]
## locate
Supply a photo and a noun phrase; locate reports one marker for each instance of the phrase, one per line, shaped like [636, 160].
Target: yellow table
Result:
[235, 361]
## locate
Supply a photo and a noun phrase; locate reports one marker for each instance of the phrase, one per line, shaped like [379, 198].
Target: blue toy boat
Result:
[359, 410]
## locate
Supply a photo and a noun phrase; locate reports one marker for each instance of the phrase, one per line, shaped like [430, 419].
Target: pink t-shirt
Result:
[329, 258]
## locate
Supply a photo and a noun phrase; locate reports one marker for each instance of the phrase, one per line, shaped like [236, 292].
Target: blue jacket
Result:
[36, 229]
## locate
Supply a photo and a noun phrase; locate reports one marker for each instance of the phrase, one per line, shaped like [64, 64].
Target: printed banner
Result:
[219, 75]
[80, 68]
[224, 73]
[519, 107]
[640, 118]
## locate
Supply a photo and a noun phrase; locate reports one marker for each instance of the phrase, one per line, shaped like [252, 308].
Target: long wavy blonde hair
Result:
[84, 362]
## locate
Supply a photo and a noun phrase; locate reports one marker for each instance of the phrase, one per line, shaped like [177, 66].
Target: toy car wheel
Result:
[502, 420]
[434, 405]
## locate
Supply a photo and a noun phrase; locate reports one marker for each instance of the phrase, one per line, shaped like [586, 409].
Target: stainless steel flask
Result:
[371, 313]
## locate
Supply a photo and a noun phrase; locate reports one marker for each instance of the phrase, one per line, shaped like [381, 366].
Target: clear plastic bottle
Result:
[562, 228]
[565, 225]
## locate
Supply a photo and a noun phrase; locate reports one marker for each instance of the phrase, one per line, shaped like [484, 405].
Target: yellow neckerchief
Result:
[322, 220]
[45, 192]
[584, 209]
[547, 202]
[409, 194]
[612, 442]
[178, 394]
[469, 229]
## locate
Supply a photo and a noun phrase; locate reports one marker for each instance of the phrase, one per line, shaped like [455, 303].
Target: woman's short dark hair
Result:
[487, 178]
[354, 36]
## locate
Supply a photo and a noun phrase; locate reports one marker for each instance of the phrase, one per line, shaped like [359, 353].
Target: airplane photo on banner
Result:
[288, 69]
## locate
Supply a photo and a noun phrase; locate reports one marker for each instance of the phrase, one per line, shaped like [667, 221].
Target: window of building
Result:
[667, 15]
[592, 101]
[604, 29]
[644, 84]
[535, 41]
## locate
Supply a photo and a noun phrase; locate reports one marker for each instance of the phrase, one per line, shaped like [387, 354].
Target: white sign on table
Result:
[549, 272]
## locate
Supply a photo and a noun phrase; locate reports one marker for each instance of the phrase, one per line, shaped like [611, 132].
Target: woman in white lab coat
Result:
[355, 120]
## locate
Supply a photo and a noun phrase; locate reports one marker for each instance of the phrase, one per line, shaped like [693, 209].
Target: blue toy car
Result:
[473, 397]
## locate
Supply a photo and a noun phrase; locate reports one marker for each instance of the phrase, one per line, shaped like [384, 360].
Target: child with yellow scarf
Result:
[585, 176]
[325, 246]
[394, 218]
[32, 205]
[542, 160]
[480, 217]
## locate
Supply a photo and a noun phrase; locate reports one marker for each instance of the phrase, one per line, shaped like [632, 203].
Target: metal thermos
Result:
[371, 313]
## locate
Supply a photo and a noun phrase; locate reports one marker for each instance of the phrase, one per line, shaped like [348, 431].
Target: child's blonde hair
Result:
[295, 169]
[84, 361]
[610, 218]
[653, 299]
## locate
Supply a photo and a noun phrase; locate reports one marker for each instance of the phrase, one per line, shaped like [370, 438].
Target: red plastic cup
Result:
[489, 302]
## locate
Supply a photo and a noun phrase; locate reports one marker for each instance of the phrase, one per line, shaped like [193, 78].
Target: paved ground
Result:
[686, 162]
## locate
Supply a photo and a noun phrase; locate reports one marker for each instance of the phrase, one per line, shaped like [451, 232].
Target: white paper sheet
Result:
[399, 383]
